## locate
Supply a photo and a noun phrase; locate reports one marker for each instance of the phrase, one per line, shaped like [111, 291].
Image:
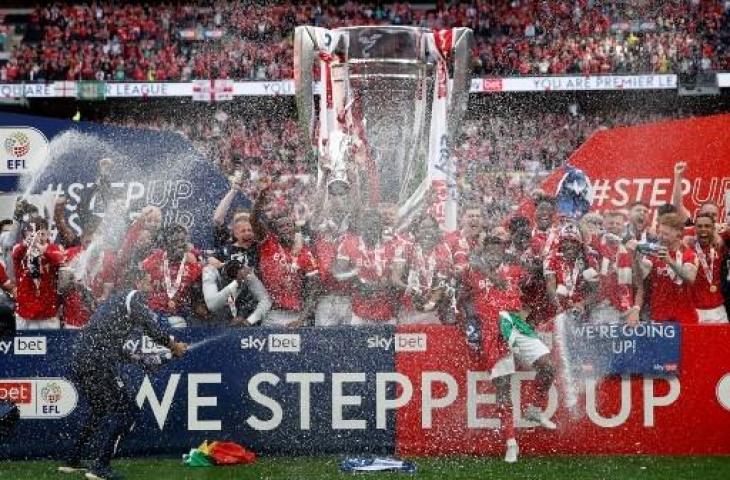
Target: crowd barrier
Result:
[405, 390]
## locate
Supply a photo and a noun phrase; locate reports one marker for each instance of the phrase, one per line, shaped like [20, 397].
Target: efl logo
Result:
[410, 342]
[20, 393]
[284, 342]
[30, 345]
[24, 150]
[40, 397]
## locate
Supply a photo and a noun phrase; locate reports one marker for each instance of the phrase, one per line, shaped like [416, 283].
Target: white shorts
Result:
[52, 323]
[419, 318]
[526, 350]
[713, 315]
[358, 321]
[333, 310]
[279, 318]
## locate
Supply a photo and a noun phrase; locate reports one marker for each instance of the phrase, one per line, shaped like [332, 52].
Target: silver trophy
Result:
[390, 101]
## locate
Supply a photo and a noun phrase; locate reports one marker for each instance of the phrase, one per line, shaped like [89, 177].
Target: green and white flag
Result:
[510, 323]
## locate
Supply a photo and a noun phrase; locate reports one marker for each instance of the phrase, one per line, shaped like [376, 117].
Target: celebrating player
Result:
[496, 327]
[364, 263]
[424, 272]
[571, 278]
[706, 290]
[671, 271]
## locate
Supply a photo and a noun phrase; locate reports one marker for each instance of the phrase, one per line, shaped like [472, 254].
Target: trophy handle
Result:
[304, 54]
[461, 54]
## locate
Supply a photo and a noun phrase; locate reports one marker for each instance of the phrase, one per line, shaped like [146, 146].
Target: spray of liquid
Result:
[197, 345]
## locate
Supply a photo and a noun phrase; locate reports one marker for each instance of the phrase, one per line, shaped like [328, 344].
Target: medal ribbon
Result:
[172, 290]
[709, 269]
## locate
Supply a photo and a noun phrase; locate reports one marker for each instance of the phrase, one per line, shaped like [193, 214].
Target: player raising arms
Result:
[424, 271]
[496, 327]
[364, 263]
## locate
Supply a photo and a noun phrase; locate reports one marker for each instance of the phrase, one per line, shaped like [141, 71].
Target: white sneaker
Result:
[512, 450]
[534, 414]
[71, 469]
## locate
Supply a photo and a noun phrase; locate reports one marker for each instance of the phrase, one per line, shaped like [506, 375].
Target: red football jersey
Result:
[325, 252]
[37, 299]
[74, 312]
[616, 280]
[159, 299]
[460, 246]
[543, 242]
[571, 286]
[3, 274]
[702, 289]
[426, 269]
[671, 297]
[373, 264]
[488, 301]
[282, 272]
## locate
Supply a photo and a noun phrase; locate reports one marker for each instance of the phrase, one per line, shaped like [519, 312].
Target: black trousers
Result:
[111, 413]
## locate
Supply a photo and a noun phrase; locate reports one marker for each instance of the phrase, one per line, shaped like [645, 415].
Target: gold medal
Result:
[713, 288]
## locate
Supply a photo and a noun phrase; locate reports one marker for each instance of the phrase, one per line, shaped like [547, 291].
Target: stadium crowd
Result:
[500, 158]
[222, 39]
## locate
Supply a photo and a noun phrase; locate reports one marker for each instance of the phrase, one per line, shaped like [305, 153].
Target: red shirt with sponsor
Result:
[544, 241]
[572, 287]
[282, 272]
[325, 252]
[534, 288]
[74, 312]
[488, 300]
[460, 245]
[426, 270]
[671, 297]
[37, 299]
[711, 258]
[373, 264]
[159, 299]
[397, 246]
[616, 275]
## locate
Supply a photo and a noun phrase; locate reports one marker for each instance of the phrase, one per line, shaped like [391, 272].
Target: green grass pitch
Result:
[448, 468]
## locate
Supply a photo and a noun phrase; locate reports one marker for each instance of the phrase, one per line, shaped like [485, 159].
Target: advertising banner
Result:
[546, 83]
[636, 163]
[575, 83]
[452, 404]
[150, 168]
[410, 391]
[275, 391]
[618, 349]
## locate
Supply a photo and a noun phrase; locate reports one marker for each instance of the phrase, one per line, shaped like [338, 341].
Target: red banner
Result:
[455, 413]
[637, 163]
